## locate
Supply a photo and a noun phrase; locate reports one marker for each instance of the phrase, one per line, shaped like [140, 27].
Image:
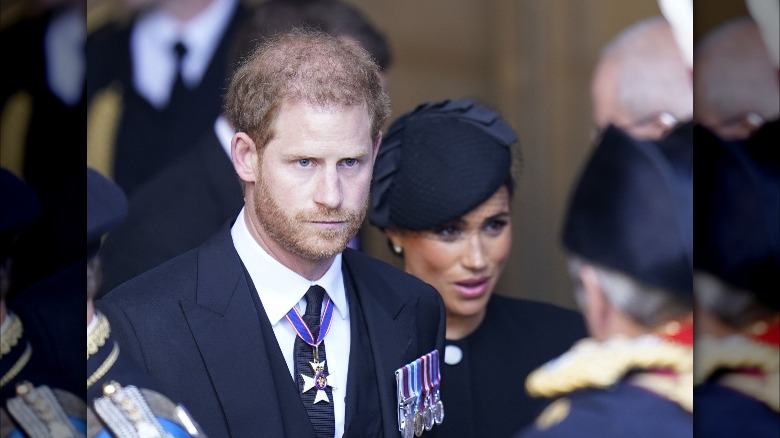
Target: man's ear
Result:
[597, 306]
[243, 153]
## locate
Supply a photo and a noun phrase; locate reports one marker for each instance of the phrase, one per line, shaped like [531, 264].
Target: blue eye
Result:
[305, 162]
[349, 162]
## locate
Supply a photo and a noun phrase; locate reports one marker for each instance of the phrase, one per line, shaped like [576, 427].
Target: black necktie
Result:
[179, 87]
[321, 413]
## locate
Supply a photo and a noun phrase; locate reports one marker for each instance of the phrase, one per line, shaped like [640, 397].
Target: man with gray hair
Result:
[737, 239]
[237, 328]
[631, 263]
[735, 82]
[641, 82]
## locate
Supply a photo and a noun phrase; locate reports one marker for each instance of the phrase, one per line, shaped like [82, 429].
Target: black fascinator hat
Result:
[439, 162]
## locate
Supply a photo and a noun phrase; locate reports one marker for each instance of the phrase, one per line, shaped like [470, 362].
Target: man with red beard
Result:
[273, 327]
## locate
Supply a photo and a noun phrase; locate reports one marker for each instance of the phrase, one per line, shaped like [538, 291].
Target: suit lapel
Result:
[226, 327]
[390, 323]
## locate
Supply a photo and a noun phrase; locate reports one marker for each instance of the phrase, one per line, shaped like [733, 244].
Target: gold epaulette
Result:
[96, 338]
[104, 367]
[14, 124]
[9, 338]
[739, 352]
[593, 364]
[46, 412]
[11, 335]
[103, 116]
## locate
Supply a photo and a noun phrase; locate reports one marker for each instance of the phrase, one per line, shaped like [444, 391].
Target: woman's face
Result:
[464, 258]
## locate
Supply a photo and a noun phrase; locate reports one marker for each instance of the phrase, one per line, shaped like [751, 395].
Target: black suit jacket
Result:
[175, 211]
[193, 325]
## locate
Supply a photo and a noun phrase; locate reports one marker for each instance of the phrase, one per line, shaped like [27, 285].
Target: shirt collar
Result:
[224, 133]
[153, 36]
[279, 287]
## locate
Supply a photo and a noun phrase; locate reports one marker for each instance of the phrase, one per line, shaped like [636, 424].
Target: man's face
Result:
[314, 178]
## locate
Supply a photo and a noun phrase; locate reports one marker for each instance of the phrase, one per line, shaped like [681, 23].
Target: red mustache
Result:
[328, 216]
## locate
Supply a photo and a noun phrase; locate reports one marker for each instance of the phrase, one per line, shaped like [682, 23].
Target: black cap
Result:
[439, 162]
[20, 208]
[106, 208]
[627, 212]
[738, 211]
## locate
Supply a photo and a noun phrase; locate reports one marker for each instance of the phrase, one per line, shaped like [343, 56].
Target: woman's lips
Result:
[473, 287]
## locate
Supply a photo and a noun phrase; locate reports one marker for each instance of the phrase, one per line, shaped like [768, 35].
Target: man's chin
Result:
[320, 249]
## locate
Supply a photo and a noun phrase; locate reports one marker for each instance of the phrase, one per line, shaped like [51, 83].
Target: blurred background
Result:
[532, 60]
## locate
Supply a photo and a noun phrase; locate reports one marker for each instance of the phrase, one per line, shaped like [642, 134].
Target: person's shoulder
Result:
[536, 309]
[404, 283]
[614, 412]
[548, 330]
[172, 278]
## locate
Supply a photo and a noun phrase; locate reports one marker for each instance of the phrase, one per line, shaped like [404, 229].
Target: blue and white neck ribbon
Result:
[302, 329]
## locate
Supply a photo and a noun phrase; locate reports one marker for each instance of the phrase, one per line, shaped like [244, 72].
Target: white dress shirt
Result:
[151, 47]
[280, 289]
[65, 56]
[224, 133]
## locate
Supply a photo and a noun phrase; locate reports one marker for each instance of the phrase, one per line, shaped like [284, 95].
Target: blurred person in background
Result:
[442, 192]
[34, 396]
[631, 264]
[42, 118]
[737, 243]
[155, 81]
[737, 84]
[642, 83]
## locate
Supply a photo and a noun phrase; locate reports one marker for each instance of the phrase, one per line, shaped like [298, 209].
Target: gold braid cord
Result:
[97, 337]
[103, 117]
[741, 353]
[17, 367]
[593, 364]
[11, 335]
[104, 367]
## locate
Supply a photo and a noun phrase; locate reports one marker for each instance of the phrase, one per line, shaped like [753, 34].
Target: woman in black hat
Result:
[442, 193]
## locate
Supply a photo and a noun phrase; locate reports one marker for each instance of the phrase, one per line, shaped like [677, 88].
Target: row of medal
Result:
[419, 402]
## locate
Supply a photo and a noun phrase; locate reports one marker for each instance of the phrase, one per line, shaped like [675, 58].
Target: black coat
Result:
[622, 410]
[194, 325]
[177, 210]
[725, 412]
[484, 394]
